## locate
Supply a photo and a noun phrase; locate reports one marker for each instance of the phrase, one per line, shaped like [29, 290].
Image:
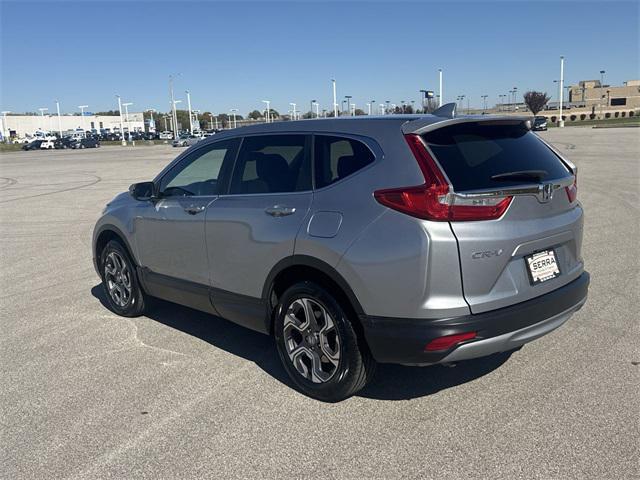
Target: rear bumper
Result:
[399, 340]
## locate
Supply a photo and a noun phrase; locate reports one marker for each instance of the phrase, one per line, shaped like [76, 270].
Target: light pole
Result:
[59, 121]
[602, 72]
[189, 107]
[373, 105]
[82, 107]
[335, 98]
[561, 92]
[440, 99]
[124, 142]
[211, 121]
[42, 110]
[484, 99]
[293, 112]
[515, 100]
[126, 117]
[175, 118]
[165, 117]
[233, 111]
[317, 108]
[267, 117]
[151, 121]
[386, 110]
[423, 100]
[5, 127]
[173, 107]
[195, 117]
[368, 109]
[348, 100]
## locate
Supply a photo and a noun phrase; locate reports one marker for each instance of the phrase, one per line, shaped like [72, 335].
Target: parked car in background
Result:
[48, 144]
[64, 142]
[539, 123]
[86, 143]
[186, 141]
[110, 137]
[414, 240]
[33, 145]
[165, 136]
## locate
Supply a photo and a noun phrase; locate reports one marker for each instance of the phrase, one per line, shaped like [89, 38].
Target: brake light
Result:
[572, 191]
[431, 200]
[448, 341]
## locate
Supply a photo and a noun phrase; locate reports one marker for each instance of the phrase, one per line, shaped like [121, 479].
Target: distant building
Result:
[27, 125]
[591, 93]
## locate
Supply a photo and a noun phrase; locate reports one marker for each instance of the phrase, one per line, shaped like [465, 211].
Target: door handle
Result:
[280, 211]
[194, 209]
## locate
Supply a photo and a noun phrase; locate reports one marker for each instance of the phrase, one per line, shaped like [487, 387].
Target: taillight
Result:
[572, 191]
[431, 200]
[448, 341]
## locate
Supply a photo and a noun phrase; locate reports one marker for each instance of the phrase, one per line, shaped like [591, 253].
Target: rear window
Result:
[471, 153]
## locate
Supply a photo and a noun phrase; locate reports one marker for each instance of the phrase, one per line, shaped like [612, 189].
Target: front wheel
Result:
[120, 282]
[318, 345]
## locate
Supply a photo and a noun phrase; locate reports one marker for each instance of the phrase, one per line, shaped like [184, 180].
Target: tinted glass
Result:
[471, 153]
[201, 172]
[272, 164]
[338, 157]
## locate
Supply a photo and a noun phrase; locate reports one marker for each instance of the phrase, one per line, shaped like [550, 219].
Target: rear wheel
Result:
[318, 346]
[120, 282]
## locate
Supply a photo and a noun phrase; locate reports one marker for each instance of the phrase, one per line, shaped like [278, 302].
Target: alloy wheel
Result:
[118, 279]
[311, 340]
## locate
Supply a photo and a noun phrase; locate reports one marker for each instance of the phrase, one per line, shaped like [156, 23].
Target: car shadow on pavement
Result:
[391, 382]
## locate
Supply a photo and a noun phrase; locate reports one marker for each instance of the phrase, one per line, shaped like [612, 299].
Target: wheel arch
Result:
[297, 268]
[105, 234]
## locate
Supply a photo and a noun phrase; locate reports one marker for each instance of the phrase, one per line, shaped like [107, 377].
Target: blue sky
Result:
[233, 55]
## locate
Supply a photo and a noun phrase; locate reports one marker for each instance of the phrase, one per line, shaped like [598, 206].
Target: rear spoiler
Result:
[445, 116]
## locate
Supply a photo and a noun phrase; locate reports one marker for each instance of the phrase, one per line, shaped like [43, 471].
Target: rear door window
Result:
[471, 153]
[336, 158]
[272, 164]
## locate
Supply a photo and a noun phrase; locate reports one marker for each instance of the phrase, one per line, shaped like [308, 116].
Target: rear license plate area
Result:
[542, 266]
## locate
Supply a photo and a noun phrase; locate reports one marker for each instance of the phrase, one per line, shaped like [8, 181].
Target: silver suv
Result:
[402, 239]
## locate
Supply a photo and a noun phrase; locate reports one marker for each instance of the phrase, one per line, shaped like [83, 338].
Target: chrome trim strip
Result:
[542, 191]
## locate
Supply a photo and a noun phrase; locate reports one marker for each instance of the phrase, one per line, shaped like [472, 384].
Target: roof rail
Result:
[448, 110]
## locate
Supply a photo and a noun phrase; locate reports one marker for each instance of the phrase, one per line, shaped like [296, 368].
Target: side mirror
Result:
[143, 191]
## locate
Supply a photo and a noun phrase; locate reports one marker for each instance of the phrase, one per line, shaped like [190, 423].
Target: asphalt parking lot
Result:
[179, 394]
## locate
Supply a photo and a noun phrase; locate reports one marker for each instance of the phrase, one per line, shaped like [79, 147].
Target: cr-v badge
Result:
[487, 254]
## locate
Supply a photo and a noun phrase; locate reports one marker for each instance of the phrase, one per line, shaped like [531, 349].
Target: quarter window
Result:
[201, 173]
[272, 164]
[338, 157]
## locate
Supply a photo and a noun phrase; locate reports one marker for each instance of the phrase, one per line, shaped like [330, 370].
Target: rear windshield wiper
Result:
[520, 175]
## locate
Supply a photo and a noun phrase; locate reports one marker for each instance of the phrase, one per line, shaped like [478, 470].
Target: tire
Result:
[120, 281]
[343, 364]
